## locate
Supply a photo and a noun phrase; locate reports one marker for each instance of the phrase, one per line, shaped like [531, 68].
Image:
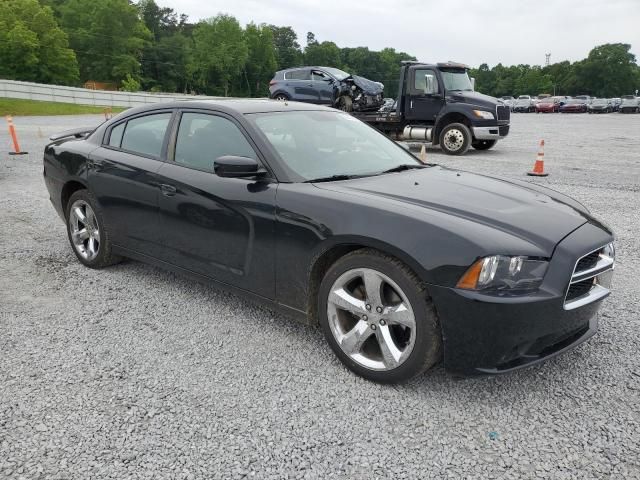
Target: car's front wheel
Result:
[378, 318]
[87, 232]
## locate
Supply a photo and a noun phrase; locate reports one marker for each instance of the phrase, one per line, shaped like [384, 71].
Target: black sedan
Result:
[317, 215]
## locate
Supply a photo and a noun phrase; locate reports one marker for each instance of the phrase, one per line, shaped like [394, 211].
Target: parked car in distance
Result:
[524, 104]
[310, 211]
[600, 105]
[509, 101]
[548, 105]
[615, 104]
[629, 104]
[327, 86]
[573, 105]
[587, 99]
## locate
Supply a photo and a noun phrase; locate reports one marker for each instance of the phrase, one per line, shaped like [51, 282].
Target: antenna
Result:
[547, 59]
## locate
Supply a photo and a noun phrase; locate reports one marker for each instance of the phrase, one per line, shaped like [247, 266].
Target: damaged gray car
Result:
[327, 86]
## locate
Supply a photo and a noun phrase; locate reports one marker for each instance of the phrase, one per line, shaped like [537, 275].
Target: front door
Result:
[123, 177]
[299, 82]
[423, 107]
[222, 228]
[323, 83]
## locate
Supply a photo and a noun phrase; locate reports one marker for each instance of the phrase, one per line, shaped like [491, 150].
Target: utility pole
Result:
[547, 59]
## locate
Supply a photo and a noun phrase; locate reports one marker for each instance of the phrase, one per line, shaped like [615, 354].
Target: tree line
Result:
[142, 46]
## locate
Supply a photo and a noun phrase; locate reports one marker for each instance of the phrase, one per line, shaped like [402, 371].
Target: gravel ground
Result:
[132, 372]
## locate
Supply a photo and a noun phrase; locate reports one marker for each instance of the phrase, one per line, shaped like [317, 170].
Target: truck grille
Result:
[591, 278]
[503, 112]
[503, 130]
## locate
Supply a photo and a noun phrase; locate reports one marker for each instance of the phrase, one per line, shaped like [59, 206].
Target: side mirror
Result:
[473, 83]
[429, 85]
[231, 166]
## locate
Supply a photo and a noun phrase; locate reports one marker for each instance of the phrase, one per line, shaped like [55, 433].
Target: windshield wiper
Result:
[331, 178]
[403, 167]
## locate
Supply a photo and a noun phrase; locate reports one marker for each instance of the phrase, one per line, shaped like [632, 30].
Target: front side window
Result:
[316, 144]
[202, 138]
[420, 82]
[145, 135]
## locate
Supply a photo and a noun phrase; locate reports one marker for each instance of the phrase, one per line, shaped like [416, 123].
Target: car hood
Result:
[536, 214]
[472, 98]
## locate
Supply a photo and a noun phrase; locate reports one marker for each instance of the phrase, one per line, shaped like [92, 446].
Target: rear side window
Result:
[116, 135]
[145, 135]
[303, 74]
[202, 138]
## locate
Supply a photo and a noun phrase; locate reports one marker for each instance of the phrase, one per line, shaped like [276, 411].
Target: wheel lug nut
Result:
[365, 318]
[373, 326]
[379, 309]
[382, 322]
[368, 307]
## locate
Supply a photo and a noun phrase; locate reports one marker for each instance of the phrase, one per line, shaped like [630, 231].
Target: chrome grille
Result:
[591, 278]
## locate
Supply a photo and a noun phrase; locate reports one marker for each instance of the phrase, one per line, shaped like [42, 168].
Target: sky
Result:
[468, 31]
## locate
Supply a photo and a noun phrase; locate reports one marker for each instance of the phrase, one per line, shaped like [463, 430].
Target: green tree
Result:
[108, 37]
[219, 54]
[287, 48]
[322, 54]
[610, 70]
[32, 46]
[261, 59]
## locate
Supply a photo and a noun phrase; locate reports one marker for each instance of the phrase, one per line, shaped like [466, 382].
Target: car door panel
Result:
[219, 227]
[422, 107]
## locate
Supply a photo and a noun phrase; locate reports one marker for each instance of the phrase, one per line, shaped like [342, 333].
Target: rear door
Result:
[222, 228]
[123, 177]
[299, 83]
[423, 107]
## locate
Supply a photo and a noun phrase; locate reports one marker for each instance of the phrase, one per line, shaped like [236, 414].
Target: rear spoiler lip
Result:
[75, 132]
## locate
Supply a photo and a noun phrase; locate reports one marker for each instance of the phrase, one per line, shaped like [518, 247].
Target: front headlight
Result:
[500, 273]
[484, 114]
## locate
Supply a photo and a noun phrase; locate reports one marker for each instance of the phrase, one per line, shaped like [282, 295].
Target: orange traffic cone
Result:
[14, 138]
[538, 168]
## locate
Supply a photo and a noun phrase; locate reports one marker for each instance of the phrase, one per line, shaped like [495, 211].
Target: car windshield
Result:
[456, 79]
[523, 101]
[524, 97]
[321, 144]
[336, 73]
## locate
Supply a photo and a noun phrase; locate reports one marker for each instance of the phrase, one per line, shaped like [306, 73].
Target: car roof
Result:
[233, 105]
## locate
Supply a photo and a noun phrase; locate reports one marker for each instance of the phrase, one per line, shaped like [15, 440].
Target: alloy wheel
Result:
[85, 233]
[454, 139]
[371, 319]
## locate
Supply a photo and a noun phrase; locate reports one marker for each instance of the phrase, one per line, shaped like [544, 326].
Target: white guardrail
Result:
[85, 96]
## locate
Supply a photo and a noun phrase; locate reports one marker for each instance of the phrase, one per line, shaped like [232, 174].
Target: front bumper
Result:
[491, 133]
[486, 334]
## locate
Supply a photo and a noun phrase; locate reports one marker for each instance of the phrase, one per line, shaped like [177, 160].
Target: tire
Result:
[89, 238]
[281, 97]
[345, 103]
[483, 144]
[455, 139]
[359, 333]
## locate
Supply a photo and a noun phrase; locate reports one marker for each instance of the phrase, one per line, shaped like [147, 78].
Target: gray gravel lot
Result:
[131, 372]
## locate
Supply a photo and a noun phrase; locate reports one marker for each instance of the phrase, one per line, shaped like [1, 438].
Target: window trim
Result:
[173, 139]
[165, 141]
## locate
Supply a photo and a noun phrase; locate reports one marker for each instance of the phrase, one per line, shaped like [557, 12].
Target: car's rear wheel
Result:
[483, 144]
[281, 97]
[455, 139]
[377, 317]
[87, 232]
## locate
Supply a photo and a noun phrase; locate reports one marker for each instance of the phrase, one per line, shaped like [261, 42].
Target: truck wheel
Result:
[455, 139]
[345, 103]
[483, 144]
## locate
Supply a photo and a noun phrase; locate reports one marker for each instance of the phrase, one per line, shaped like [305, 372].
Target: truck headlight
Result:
[504, 273]
[484, 114]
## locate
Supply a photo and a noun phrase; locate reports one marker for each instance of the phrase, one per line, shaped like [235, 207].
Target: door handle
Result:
[168, 190]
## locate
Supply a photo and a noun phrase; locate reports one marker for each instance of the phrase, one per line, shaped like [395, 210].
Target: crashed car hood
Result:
[539, 215]
[368, 87]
